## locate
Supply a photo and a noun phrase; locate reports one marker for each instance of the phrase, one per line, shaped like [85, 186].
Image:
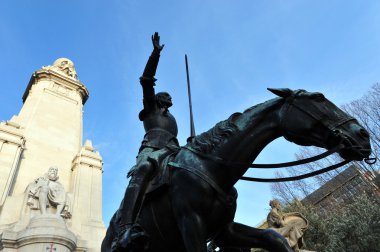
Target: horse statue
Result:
[200, 202]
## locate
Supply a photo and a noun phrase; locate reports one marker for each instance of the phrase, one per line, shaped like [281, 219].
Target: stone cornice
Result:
[61, 79]
[88, 158]
[15, 132]
[10, 135]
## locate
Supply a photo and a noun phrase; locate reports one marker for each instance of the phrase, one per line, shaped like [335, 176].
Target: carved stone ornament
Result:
[46, 192]
[65, 66]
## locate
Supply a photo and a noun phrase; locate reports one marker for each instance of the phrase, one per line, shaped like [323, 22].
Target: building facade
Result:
[342, 189]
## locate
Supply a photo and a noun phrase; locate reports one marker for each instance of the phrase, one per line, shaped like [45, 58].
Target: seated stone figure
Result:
[47, 191]
[290, 225]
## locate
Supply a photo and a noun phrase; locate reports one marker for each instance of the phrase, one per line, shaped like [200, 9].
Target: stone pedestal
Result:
[44, 233]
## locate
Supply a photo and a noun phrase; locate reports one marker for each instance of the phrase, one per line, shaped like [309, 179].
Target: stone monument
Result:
[39, 209]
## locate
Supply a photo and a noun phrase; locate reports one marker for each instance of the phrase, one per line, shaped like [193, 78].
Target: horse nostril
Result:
[364, 133]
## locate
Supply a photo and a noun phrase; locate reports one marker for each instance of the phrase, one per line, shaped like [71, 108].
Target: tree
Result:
[352, 227]
[367, 111]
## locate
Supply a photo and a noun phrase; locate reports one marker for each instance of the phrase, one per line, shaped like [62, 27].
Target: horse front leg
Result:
[192, 231]
[242, 236]
[187, 209]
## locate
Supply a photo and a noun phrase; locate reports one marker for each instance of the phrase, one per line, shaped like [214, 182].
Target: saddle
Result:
[162, 160]
[161, 179]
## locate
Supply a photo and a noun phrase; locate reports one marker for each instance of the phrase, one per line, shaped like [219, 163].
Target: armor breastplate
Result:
[160, 128]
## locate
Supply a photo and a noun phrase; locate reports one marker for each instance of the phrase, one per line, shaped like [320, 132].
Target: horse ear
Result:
[282, 92]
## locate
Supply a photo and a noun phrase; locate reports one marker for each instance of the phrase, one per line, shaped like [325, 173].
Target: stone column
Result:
[87, 219]
[11, 146]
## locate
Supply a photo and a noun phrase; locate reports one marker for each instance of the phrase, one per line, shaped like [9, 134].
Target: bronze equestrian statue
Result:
[197, 200]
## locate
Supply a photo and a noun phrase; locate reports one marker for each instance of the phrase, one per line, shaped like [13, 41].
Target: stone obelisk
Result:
[48, 133]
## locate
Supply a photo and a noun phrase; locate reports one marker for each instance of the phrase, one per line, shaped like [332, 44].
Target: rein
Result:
[281, 165]
[303, 176]
[299, 162]
[266, 166]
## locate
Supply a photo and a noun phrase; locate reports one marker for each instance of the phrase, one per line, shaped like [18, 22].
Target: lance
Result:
[192, 128]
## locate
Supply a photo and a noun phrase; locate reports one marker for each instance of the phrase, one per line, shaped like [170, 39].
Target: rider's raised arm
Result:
[147, 80]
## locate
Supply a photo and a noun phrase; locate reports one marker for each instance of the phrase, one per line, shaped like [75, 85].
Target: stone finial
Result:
[88, 145]
[66, 66]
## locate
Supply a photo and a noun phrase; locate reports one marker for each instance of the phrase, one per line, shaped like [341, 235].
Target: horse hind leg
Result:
[241, 236]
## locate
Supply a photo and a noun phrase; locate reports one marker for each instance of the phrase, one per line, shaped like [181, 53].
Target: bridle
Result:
[286, 108]
[290, 104]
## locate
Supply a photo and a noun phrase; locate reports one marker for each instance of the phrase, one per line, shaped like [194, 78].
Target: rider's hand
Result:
[156, 42]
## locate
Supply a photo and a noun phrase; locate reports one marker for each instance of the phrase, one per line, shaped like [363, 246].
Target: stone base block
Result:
[44, 233]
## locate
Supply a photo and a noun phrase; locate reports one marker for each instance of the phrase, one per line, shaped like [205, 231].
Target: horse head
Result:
[308, 118]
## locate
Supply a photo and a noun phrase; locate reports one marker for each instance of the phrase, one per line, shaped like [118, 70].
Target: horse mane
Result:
[207, 141]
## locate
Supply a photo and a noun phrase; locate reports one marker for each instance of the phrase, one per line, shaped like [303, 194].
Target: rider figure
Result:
[159, 141]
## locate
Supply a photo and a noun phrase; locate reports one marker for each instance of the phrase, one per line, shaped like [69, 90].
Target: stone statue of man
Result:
[49, 192]
[290, 225]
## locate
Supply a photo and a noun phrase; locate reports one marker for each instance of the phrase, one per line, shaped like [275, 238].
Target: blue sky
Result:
[236, 50]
